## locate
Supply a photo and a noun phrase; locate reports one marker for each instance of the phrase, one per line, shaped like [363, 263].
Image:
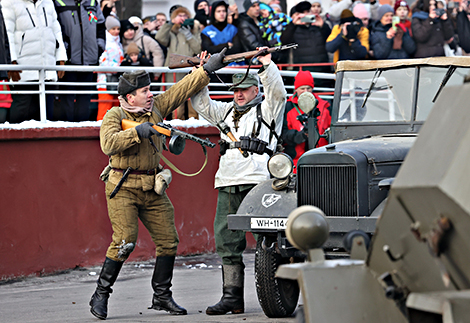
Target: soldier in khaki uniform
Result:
[136, 198]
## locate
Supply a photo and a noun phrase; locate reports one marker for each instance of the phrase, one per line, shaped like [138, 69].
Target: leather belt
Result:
[137, 172]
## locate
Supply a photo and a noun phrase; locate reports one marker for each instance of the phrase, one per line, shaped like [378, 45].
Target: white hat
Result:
[135, 19]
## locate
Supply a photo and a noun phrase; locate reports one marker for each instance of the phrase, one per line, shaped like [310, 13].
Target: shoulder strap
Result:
[271, 127]
[228, 112]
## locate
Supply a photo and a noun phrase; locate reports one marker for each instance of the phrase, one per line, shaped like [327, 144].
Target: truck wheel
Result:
[277, 297]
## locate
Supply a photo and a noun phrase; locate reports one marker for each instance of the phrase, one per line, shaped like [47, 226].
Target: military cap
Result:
[131, 81]
[250, 80]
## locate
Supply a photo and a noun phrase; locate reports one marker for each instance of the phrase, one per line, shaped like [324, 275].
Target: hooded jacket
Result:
[430, 34]
[34, 35]
[234, 169]
[83, 30]
[217, 35]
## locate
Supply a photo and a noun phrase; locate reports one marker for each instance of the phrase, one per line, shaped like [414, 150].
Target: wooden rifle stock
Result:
[128, 124]
[180, 61]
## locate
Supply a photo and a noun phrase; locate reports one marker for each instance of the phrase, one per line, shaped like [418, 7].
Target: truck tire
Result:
[277, 297]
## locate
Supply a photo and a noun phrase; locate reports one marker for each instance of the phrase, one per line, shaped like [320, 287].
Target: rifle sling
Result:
[173, 167]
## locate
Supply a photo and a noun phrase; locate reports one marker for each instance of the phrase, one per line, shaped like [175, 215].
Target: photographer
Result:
[349, 39]
[388, 41]
[181, 35]
[295, 127]
[431, 29]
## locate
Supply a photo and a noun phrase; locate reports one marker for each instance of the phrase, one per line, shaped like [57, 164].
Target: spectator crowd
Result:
[90, 33]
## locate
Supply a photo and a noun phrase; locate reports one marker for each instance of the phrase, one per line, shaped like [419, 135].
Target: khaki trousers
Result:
[156, 213]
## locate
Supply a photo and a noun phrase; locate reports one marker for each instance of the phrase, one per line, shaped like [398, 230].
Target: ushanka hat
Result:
[131, 81]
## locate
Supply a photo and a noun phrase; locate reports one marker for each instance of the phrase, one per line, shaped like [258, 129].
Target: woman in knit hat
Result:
[430, 31]
[294, 132]
[402, 10]
[349, 39]
[360, 11]
[390, 42]
[112, 56]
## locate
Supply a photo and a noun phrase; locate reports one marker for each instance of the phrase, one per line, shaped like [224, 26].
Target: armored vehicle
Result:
[416, 268]
[378, 109]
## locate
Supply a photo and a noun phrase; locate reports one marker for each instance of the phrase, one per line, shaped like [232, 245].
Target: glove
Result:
[215, 62]
[145, 130]
[186, 32]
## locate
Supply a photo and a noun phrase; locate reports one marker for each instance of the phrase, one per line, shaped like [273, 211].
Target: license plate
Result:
[268, 223]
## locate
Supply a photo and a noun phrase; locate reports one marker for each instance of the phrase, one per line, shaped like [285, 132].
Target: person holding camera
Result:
[295, 127]
[310, 32]
[431, 29]
[389, 41]
[349, 39]
[181, 35]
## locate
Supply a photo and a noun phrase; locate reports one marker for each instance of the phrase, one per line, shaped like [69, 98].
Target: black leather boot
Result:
[232, 299]
[99, 300]
[161, 283]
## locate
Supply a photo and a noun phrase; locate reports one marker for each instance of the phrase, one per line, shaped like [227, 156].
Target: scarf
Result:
[131, 108]
[250, 104]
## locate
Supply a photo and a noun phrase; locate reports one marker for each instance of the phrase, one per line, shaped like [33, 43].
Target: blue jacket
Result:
[383, 46]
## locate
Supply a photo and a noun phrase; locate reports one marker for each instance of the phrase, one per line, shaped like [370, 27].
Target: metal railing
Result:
[325, 93]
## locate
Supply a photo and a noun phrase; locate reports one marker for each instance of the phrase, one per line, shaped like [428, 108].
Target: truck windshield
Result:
[391, 97]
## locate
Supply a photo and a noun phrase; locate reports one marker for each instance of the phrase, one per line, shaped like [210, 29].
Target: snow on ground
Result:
[33, 124]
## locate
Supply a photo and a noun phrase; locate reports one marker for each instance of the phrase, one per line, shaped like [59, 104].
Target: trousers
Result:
[229, 244]
[156, 213]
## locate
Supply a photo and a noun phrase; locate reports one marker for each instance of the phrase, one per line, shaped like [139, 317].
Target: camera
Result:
[353, 29]
[308, 19]
[303, 118]
[188, 22]
[439, 12]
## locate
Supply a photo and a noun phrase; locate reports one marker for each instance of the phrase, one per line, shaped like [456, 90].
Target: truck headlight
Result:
[280, 165]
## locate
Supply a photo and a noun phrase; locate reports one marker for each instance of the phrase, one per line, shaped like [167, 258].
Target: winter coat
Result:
[430, 35]
[125, 148]
[112, 56]
[83, 30]
[5, 49]
[214, 40]
[344, 49]
[34, 35]
[249, 33]
[311, 42]
[273, 26]
[383, 46]
[463, 30]
[294, 139]
[152, 49]
[234, 169]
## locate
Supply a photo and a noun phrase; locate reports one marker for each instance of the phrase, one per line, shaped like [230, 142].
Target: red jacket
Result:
[295, 141]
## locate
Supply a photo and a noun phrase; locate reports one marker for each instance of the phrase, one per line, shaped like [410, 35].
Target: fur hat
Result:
[131, 81]
[383, 9]
[132, 49]
[360, 11]
[347, 16]
[111, 22]
[248, 3]
[401, 3]
[303, 78]
[180, 10]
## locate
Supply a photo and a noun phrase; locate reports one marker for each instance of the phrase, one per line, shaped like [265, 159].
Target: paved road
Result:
[64, 298]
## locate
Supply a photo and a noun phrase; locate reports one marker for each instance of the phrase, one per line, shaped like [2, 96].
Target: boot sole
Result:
[101, 317]
[158, 308]
[239, 311]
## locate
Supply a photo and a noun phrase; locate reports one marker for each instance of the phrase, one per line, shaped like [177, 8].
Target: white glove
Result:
[186, 31]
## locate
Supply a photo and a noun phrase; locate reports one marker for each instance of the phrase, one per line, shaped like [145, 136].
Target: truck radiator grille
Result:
[331, 188]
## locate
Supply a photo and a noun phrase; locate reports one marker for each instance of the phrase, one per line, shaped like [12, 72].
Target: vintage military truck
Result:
[416, 268]
[377, 112]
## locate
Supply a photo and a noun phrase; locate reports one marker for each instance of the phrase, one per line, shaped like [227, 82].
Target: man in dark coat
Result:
[248, 30]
